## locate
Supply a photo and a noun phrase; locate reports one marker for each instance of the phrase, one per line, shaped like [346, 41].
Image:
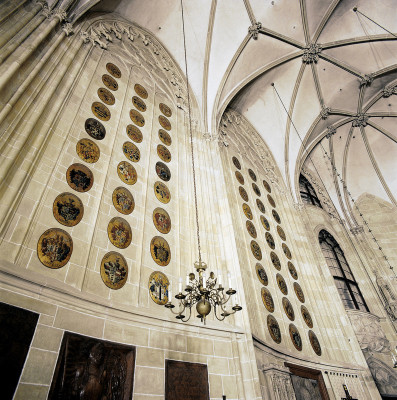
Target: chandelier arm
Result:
[216, 315]
[190, 314]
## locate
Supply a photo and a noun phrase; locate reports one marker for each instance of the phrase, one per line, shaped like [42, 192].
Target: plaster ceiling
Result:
[344, 76]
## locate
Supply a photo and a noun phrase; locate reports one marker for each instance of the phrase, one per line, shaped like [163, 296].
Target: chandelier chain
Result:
[191, 136]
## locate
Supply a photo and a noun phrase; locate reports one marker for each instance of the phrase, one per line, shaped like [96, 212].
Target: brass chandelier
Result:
[199, 291]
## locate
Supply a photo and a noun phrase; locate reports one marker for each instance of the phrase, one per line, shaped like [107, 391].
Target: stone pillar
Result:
[67, 30]
[28, 23]
[279, 384]
[59, 16]
[14, 181]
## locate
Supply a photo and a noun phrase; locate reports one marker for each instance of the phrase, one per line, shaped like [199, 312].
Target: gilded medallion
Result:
[139, 104]
[274, 329]
[87, 150]
[256, 250]
[276, 216]
[243, 193]
[106, 96]
[114, 270]
[239, 177]
[162, 192]
[275, 260]
[127, 173]
[261, 274]
[158, 288]
[95, 129]
[100, 111]
[54, 248]
[137, 118]
[247, 211]
[236, 162]
[163, 153]
[267, 186]
[267, 299]
[265, 222]
[295, 337]
[79, 177]
[123, 200]
[113, 70]
[163, 171]
[160, 251]
[252, 174]
[68, 209]
[165, 137]
[141, 91]
[110, 82]
[251, 229]
[256, 189]
[289, 311]
[119, 232]
[165, 123]
[299, 292]
[306, 316]
[165, 110]
[161, 220]
[281, 284]
[270, 240]
[134, 133]
[260, 205]
[281, 232]
[286, 251]
[315, 343]
[131, 152]
[292, 270]
[271, 201]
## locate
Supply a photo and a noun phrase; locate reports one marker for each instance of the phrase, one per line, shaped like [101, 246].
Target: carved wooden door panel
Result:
[93, 369]
[186, 381]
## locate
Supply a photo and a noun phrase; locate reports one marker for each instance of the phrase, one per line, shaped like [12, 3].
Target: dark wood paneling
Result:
[17, 328]
[93, 369]
[186, 381]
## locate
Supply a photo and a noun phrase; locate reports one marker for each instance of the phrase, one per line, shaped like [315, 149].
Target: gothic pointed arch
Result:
[345, 282]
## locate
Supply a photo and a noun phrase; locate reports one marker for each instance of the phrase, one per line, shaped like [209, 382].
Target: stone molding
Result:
[388, 296]
[325, 201]
[331, 130]
[389, 90]
[101, 32]
[325, 111]
[368, 331]
[360, 120]
[366, 80]
[254, 30]
[282, 386]
[234, 125]
[311, 53]
[357, 230]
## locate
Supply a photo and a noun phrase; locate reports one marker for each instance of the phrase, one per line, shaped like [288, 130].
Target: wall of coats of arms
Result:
[131, 165]
[262, 222]
[278, 306]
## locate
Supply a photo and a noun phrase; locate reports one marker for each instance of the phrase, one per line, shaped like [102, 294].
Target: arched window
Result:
[344, 280]
[308, 194]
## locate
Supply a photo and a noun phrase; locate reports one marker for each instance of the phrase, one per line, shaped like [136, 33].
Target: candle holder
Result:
[205, 294]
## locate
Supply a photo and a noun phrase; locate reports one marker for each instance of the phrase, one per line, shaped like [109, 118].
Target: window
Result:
[308, 194]
[347, 286]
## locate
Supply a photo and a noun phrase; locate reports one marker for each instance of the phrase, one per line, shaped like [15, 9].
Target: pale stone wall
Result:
[341, 353]
[36, 153]
[42, 118]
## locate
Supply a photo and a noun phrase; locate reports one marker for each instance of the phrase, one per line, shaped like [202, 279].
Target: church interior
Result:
[198, 199]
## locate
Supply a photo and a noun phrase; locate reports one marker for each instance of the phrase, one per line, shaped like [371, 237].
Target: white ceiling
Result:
[229, 68]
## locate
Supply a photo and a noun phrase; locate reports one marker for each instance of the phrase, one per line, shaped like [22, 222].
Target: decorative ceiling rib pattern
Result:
[334, 70]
